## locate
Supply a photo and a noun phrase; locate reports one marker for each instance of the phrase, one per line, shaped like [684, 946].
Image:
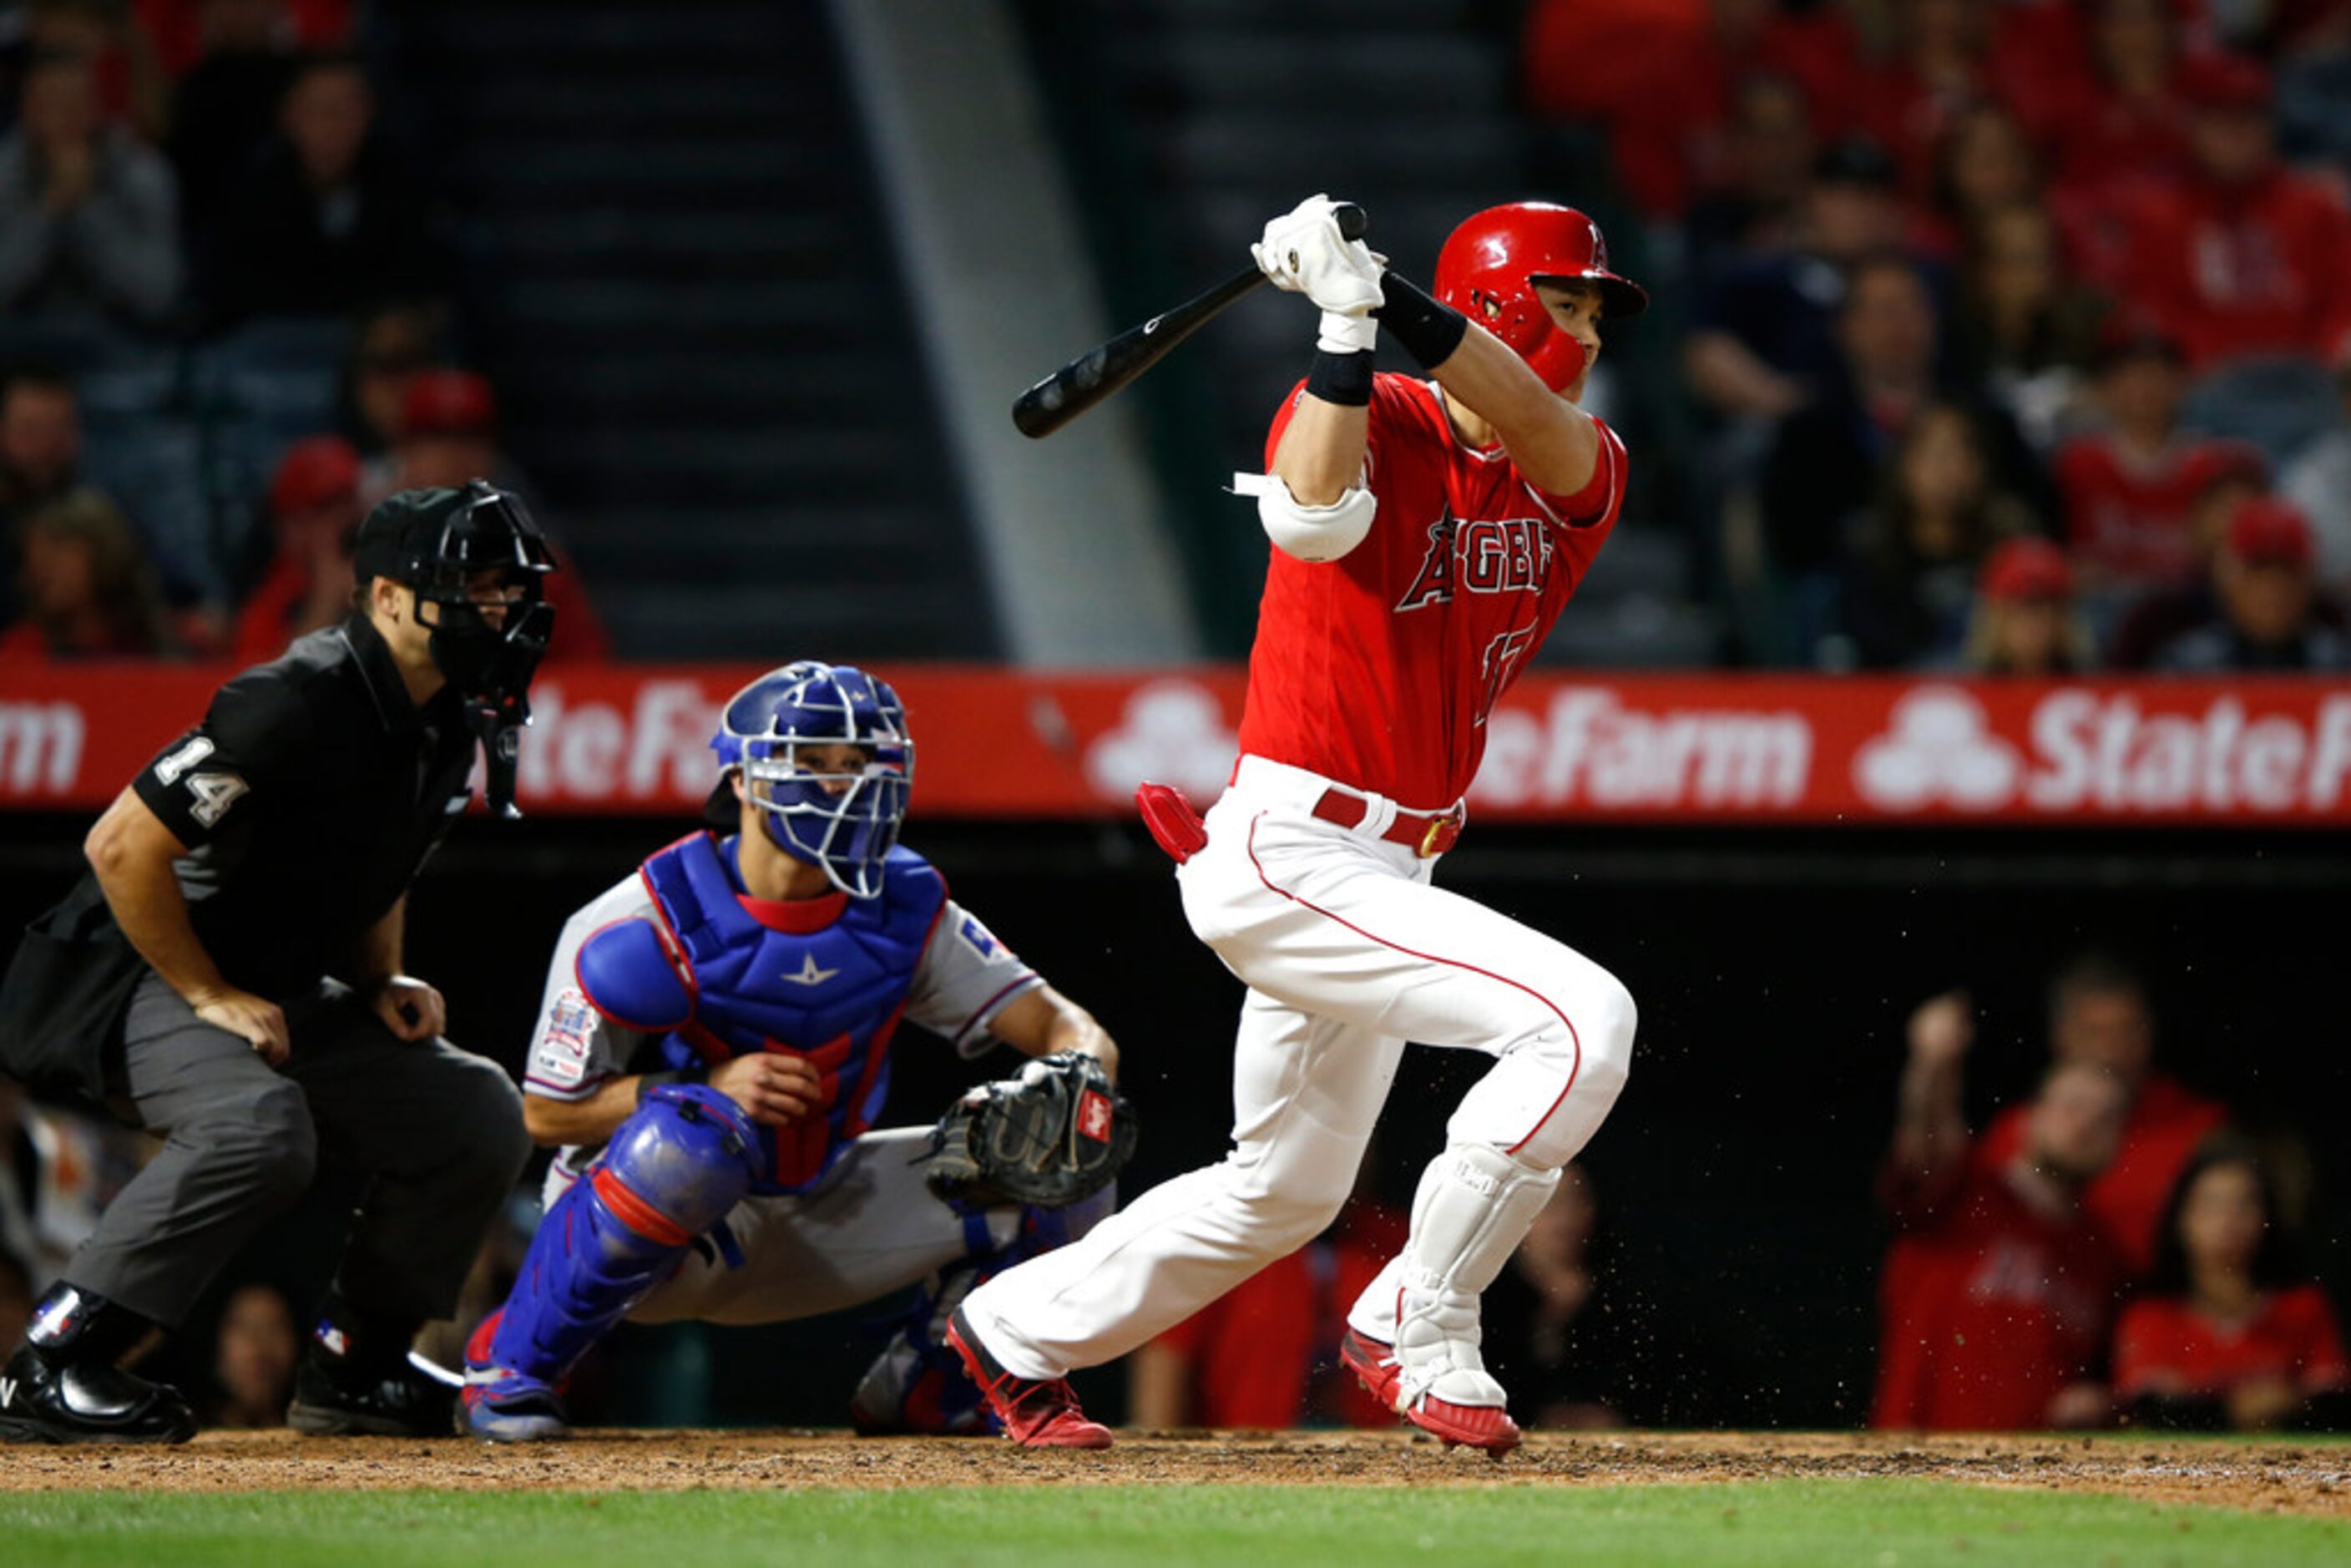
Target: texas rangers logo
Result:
[809, 974]
[978, 937]
[1094, 1116]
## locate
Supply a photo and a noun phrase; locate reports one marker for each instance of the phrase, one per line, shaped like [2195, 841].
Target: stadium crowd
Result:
[225, 328]
[2016, 332]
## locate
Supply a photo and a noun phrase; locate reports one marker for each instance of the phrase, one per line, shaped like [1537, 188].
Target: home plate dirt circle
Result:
[2274, 1477]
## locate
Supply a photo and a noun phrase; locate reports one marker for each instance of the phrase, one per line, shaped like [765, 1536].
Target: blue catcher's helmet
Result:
[846, 820]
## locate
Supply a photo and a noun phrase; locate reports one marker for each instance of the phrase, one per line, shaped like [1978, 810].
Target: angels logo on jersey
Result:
[1507, 555]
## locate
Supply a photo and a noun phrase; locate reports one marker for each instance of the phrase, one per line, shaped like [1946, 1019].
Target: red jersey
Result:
[1988, 1309]
[2292, 1336]
[2130, 517]
[1378, 669]
[2259, 270]
[2167, 1122]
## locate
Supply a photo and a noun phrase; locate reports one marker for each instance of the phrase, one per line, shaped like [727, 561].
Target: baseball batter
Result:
[1426, 534]
[714, 1045]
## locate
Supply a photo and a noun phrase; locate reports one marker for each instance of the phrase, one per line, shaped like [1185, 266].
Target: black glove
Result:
[1056, 1133]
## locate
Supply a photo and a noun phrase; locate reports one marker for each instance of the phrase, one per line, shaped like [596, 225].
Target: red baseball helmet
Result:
[1490, 265]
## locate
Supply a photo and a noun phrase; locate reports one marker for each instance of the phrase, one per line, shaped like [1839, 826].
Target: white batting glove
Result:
[1303, 252]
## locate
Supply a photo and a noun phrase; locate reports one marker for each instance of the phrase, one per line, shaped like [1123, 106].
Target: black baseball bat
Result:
[1104, 369]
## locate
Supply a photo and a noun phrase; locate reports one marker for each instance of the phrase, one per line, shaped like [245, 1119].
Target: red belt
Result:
[1424, 836]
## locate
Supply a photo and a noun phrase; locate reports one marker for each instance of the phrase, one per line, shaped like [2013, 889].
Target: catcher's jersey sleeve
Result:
[574, 1048]
[964, 980]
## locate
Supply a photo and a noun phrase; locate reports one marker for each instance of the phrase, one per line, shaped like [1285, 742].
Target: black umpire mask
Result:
[443, 544]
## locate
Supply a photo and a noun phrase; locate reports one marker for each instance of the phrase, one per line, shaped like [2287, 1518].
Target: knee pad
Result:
[688, 1155]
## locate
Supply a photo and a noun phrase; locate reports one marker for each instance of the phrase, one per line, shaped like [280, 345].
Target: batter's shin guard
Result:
[671, 1172]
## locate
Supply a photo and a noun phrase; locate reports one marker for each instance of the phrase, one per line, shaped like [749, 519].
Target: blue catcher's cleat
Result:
[500, 1406]
[917, 1387]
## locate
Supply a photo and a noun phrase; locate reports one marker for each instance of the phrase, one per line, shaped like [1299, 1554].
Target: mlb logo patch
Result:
[1094, 1116]
[978, 937]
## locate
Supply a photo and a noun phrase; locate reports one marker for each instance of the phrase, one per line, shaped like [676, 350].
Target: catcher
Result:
[715, 1043]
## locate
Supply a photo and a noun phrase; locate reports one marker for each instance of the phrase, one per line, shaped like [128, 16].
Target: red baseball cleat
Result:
[1035, 1415]
[1376, 1366]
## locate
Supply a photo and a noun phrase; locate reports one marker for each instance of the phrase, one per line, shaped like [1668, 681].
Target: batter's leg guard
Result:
[672, 1171]
[917, 1386]
[1473, 1208]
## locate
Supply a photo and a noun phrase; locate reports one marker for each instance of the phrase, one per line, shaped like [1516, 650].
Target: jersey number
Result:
[169, 769]
[215, 793]
[1502, 657]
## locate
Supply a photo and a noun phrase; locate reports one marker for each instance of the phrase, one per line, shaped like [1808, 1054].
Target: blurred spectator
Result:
[2100, 1014]
[2265, 585]
[2241, 475]
[1764, 342]
[87, 588]
[2233, 1333]
[448, 435]
[2023, 623]
[182, 29]
[1758, 204]
[88, 215]
[1250, 1358]
[2319, 482]
[1668, 96]
[254, 1359]
[2245, 257]
[2024, 332]
[40, 439]
[1559, 1352]
[324, 224]
[225, 104]
[1828, 460]
[1984, 166]
[392, 344]
[2125, 126]
[1912, 582]
[2130, 491]
[1997, 1287]
[16, 1296]
[132, 87]
[314, 513]
[1941, 67]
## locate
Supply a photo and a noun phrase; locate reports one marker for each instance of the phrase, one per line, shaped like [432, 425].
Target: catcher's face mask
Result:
[826, 760]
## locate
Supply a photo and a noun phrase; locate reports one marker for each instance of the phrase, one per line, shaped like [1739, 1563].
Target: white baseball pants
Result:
[1348, 952]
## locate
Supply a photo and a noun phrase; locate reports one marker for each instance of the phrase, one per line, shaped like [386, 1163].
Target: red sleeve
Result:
[1601, 495]
[2145, 1346]
[2318, 1344]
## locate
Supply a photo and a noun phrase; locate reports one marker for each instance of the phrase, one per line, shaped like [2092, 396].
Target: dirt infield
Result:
[2278, 1477]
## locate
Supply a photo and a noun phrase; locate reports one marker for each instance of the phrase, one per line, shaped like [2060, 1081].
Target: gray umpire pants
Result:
[435, 1133]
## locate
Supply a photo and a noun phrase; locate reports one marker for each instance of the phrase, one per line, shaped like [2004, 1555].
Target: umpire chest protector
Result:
[719, 975]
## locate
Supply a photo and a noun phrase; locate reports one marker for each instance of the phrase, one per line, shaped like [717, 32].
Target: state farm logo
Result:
[1587, 748]
[1940, 751]
[656, 747]
[1173, 731]
[2083, 750]
[40, 747]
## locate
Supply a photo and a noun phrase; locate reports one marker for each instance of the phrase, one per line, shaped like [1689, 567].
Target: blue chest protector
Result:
[715, 981]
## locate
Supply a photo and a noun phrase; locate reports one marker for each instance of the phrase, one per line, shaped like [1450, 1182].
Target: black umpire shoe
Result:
[63, 1384]
[356, 1380]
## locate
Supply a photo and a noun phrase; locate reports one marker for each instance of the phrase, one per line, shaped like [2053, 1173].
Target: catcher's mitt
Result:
[1057, 1133]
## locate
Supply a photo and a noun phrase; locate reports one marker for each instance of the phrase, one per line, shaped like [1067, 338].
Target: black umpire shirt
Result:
[308, 797]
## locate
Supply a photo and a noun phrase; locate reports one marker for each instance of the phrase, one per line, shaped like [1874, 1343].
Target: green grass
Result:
[1877, 1524]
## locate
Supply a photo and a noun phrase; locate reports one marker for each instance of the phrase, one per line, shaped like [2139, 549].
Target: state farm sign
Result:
[1002, 743]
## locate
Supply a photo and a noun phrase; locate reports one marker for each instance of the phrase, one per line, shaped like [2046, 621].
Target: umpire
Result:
[229, 974]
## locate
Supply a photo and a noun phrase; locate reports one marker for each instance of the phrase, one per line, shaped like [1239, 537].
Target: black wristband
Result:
[1428, 331]
[648, 1082]
[1343, 379]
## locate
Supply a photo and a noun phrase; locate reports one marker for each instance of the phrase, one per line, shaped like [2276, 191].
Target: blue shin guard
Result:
[671, 1172]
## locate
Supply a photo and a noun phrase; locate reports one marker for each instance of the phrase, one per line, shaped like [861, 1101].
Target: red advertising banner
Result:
[1001, 743]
